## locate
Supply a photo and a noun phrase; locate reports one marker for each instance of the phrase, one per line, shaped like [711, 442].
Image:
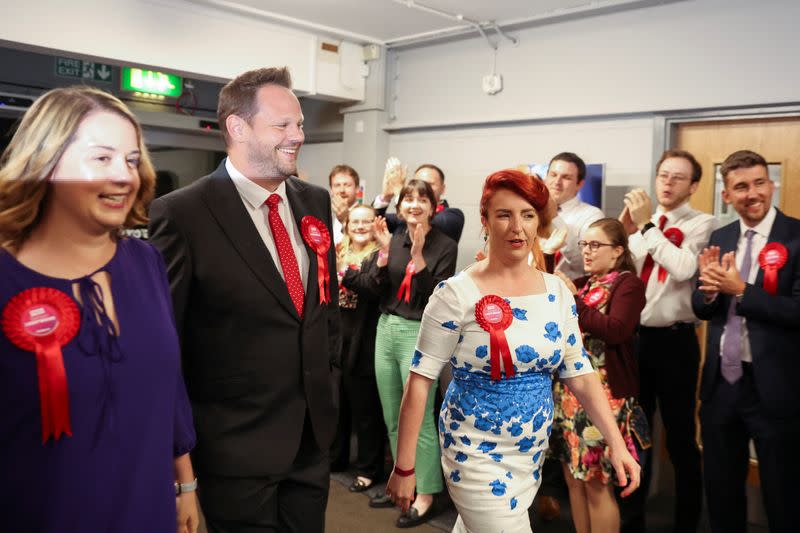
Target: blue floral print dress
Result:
[494, 434]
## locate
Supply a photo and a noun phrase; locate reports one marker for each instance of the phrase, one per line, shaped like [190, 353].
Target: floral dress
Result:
[576, 441]
[493, 434]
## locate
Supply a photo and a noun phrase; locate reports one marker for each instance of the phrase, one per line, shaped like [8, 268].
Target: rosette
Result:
[596, 297]
[675, 236]
[494, 315]
[771, 259]
[404, 292]
[41, 320]
[318, 238]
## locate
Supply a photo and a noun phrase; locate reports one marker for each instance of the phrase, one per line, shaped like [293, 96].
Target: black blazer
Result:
[252, 367]
[773, 323]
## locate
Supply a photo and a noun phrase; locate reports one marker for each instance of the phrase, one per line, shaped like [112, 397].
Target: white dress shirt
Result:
[253, 197]
[762, 230]
[578, 216]
[671, 301]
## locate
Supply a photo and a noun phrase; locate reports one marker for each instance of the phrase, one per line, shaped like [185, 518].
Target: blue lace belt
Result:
[526, 381]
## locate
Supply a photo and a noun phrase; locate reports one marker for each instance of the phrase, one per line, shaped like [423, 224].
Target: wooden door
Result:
[778, 140]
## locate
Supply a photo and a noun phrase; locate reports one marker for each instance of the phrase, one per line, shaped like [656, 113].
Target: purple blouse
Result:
[128, 407]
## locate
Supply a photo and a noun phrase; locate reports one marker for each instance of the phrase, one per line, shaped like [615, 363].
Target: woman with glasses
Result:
[609, 301]
[359, 405]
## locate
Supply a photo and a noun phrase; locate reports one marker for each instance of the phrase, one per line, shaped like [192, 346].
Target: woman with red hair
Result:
[506, 329]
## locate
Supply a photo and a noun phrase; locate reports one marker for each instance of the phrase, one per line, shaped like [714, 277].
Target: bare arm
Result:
[186, 502]
[412, 410]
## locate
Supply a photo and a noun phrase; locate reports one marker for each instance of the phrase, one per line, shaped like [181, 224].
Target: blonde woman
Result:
[95, 425]
[359, 406]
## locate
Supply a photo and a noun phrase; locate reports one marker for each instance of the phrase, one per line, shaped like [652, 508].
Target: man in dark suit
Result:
[749, 290]
[258, 344]
[448, 220]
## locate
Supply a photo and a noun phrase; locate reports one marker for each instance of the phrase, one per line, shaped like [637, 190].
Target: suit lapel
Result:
[297, 193]
[226, 206]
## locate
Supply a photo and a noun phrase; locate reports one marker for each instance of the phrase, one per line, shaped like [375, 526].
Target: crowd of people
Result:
[269, 320]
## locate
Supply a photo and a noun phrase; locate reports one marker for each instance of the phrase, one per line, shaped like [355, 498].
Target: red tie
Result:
[649, 262]
[291, 272]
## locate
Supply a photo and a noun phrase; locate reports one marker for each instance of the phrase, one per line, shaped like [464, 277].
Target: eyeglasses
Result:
[593, 245]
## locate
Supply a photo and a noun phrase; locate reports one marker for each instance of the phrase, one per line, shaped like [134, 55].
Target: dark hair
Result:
[570, 157]
[344, 169]
[422, 188]
[741, 159]
[616, 233]
[238, 96]
[432, 167]
[697, 170]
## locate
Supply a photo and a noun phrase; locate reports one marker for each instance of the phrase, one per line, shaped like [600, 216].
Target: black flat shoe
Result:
[412, 518]
[358, 485]
[379, 501]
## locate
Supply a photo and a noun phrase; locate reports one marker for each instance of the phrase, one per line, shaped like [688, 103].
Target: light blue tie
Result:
[732, 346]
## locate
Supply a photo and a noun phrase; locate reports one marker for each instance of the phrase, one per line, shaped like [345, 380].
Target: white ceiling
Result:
[393, 22]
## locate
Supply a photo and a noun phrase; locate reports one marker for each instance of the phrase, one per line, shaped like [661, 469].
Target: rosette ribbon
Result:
[404, 292]
[771, 259]
[41, 320]
[318, 238]
[596, 297]
[494, 315]
[675, 236]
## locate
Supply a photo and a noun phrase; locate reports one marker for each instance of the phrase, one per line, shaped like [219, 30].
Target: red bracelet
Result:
[403, 473]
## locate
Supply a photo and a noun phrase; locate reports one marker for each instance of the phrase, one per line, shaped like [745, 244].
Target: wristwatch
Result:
[647, 227]
[180, 488]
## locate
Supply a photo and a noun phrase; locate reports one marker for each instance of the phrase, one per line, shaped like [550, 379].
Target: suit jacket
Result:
[773, 323]
[449, 221]
[252, 366]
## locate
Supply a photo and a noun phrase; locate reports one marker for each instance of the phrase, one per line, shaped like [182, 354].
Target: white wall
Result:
[318, 159]
[684, 55]
[468, 155]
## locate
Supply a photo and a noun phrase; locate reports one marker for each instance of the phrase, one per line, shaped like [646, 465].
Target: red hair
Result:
[530, 188]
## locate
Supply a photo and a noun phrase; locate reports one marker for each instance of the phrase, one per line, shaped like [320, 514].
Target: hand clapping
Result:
[639, 207]
[719, 274]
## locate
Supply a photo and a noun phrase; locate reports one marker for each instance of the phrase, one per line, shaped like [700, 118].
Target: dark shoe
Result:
[412, 518]
[548, 508]
[381, 500]
[359, 485]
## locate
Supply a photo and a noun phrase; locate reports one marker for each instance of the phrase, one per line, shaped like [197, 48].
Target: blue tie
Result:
[732, 346]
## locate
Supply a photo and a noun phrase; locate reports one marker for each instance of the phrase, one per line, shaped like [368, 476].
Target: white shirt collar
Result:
[572, 203]
[252, 193]
[764, 227]
[676, 214]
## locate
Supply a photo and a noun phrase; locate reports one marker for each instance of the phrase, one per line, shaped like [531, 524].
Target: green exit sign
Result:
[151, 82]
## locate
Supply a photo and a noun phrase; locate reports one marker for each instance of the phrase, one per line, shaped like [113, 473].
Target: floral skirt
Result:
[579, 444]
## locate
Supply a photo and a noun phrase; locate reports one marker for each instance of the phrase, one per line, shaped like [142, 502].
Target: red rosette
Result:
[318, 238]
[404, 292]
[42, 320]
[596, 297]
[494, 315]
[675, 236]
[771, 259]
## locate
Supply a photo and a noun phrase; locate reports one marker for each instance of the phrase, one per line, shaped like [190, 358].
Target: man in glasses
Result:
[665, 244]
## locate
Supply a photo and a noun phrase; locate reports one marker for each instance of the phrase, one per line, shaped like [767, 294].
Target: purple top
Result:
[128, 407]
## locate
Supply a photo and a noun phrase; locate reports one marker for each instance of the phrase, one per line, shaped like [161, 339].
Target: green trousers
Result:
[394, 348]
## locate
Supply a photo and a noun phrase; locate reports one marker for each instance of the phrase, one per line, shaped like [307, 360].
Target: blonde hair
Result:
[45, 132]
[344, 255]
